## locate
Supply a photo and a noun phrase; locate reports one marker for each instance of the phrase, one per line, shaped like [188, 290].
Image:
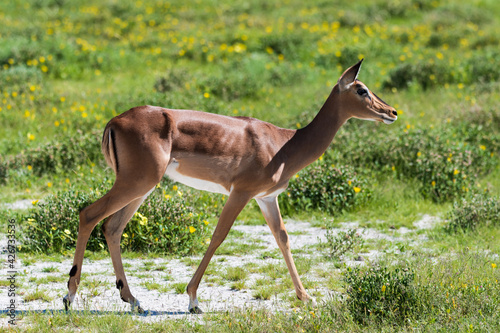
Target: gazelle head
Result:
[359, 102]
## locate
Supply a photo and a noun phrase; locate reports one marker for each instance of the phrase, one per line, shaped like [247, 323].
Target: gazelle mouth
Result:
[389, 121]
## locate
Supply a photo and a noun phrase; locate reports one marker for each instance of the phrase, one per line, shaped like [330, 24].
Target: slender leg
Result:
[113, 230]
[271, 211]
[118, 197]
[235, 203]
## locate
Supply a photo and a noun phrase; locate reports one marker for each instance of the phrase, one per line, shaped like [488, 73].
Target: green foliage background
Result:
[67, 67]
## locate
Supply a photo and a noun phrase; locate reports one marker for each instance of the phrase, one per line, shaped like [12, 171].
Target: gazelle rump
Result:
[244, 158]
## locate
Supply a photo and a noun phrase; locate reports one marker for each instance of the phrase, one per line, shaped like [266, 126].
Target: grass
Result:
[38, 294]
[48, 279]
[235, 274]
[67, 68]
[238, 247]
[50, 269]
[180, 287]
[263, 293]
[150, 285]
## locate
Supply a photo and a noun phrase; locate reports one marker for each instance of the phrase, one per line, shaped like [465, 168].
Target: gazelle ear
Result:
[349, 76]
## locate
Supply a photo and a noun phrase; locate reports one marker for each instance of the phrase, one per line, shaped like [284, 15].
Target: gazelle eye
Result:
[362, 91]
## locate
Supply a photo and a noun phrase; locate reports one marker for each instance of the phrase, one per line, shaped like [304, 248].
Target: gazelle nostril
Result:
[395, 112]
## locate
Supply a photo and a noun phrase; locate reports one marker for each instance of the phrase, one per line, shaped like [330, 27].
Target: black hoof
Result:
[66, 304]
[195, 310]
[140, 310]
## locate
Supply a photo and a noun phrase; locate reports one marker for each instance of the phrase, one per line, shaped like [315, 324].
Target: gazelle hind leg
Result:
[113, 230]
[113, 201]
[270, 210]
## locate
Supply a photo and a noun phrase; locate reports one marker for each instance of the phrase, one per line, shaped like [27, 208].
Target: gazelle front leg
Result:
[271, 211]
[235, 203]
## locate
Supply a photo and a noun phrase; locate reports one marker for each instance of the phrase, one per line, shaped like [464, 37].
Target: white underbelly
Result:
[196, 183]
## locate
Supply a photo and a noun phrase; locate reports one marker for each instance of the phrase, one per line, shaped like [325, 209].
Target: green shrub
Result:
[52, 225]
[4, 169]
[483, 67]
[469, 214]
[377, 293]
[428, 73]
[164, 223]
[167, 226]
[338, 244]
[290, 45]
[448, 14]
[445, 166]
[326, 188]
[246, 77]
[175, 78]
[21, 76]
[425, 73]
[445, 160]
[63, 154]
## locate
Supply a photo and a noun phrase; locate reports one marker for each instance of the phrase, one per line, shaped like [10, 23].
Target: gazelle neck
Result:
[312, 140]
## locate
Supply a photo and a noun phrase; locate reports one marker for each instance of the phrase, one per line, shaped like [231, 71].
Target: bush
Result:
[52, 226]
[21, 76]
[167, 226]
[326, 188]
[290, 45]
[63, 154]
[3, 171]
[338, 244]
[469, 214]
[175, 78]
[425, 73]
[483, 67]
[445, 166]
[163, 224]
[377, 293]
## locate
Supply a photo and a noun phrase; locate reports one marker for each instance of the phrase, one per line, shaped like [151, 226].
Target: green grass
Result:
[50, 269]
[238, 247]
[66, 68]
[149, 285]
[38, 294]
[235, 274]
[180, 287]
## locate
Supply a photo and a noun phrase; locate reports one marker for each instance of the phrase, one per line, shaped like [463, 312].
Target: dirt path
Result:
[153, 280]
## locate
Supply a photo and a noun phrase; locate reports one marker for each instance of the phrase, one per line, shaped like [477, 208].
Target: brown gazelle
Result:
[244, 158]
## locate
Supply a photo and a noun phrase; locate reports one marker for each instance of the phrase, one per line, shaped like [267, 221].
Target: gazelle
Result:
[241, 157]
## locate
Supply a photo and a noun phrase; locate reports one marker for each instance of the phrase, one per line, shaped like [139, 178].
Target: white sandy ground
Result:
[98, 291]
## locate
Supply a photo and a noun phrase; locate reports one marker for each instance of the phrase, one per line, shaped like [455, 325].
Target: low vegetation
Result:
[67, 67]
